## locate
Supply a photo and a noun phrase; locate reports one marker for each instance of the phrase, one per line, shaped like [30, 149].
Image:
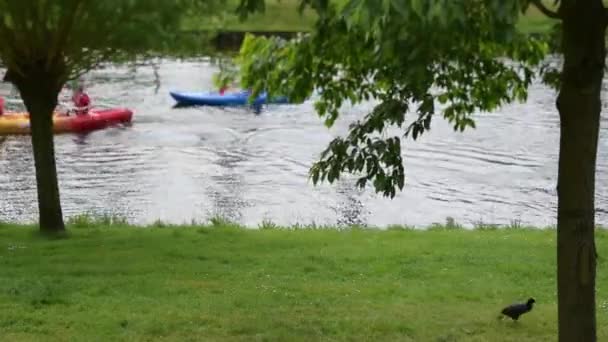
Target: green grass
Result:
[536, 22]
[282, 15]
[222, 283]
[279, 15]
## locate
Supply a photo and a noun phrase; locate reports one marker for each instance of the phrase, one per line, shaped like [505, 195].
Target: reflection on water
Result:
[184, 164]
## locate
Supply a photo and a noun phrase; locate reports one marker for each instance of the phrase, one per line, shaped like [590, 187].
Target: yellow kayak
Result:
[19, 123]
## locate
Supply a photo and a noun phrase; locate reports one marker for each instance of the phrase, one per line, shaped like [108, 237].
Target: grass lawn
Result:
[282, 15]
[223, 283]
[536, 22]
[279, 15]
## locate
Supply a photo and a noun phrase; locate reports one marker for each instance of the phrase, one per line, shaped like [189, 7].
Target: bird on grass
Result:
[516, 310]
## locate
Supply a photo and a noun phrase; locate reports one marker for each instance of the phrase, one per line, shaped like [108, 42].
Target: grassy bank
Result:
[282, 15]
[279, 15]
[229, 284]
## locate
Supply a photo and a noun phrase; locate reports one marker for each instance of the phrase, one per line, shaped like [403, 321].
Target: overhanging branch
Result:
[541, 7]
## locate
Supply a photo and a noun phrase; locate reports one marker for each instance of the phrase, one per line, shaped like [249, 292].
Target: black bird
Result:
[516, 310]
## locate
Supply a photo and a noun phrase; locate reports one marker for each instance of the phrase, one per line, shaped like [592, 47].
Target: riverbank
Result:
[225, 283]
[283, 16]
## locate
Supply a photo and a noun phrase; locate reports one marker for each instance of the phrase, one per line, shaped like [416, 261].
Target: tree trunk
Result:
[40, 98]
[579, 108]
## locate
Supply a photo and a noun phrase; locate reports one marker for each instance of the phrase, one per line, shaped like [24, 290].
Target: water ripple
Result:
[183, 164]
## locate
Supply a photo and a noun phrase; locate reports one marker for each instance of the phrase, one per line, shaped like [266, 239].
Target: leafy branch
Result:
[454, 58]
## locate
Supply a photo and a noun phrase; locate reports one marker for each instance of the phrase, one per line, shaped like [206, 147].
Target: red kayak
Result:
[19, 123]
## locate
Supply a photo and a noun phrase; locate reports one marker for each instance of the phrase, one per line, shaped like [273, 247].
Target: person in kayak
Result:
[81, 100]
[228, 87]
[224, 88]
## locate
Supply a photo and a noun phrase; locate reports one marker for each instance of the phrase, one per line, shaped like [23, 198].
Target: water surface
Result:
[185, 164]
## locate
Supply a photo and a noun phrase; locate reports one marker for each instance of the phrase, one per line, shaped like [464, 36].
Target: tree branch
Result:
[541, 7]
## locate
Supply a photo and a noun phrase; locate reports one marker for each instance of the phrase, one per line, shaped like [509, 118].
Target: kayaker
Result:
[81, 100]
[223, 89]
[226, 87]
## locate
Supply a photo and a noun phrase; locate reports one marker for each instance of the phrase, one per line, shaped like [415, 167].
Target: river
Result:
[180, 165]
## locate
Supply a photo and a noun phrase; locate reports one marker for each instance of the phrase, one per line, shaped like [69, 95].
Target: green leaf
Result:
[417, 7]
[401, 7]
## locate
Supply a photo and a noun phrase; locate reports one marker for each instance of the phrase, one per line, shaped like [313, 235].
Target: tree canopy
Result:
[77, 35]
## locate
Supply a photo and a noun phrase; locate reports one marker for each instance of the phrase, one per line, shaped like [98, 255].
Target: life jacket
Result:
[82, 100]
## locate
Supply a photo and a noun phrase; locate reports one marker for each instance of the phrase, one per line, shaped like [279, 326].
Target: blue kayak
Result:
[227, 99]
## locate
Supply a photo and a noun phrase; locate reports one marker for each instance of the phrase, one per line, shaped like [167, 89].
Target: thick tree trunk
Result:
[40, 98]
[579, 108]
